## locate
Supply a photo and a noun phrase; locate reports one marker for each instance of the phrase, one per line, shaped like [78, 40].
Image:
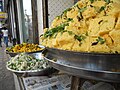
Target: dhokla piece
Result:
[82, 46]
[65, 41]
[101, 25]
[98, 44]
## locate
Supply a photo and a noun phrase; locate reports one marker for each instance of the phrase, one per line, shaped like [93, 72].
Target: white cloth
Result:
[5, 33]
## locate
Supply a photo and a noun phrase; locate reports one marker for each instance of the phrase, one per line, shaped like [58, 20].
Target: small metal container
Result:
[12, 54]
[42, 72]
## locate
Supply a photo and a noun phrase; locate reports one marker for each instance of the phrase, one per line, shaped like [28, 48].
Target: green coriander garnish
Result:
[100, 40]
[82, 9]
[79, 38]
[63, 31]
[69, 19]
[55, 35]
[59, 17]
[102, 9]
[70, 32]
[107, 1]
[64, 12]
[91, 1]
[52, 31]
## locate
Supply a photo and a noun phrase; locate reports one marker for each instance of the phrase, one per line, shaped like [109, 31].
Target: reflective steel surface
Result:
[105, 67]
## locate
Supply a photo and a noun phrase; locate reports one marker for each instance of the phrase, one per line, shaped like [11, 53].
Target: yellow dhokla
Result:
[88, 26]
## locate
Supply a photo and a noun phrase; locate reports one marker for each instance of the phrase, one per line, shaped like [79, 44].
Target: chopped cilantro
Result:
[64, 12]
[70, 32]
[107, 1]
[69, 19]
[63, 31]
[91, 1]
[52, 31]
[100, 40]
[59, 17]
[102, 8]
[55, 35]
[82, 9]
[79, 38]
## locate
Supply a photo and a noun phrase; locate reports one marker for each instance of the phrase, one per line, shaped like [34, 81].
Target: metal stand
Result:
[116, 85]
[20, 82]
[77, 82]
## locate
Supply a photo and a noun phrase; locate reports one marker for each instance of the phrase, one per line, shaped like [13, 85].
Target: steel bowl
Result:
[12, 54]
[40, 72]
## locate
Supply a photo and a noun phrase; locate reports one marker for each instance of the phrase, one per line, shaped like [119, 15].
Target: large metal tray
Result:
[97, 66]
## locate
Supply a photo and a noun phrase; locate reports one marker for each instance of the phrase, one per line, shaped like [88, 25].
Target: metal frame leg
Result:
[75, 83]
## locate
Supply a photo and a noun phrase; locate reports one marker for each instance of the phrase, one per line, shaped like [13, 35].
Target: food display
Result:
[88, 26]
[24, 47]
[24, 62]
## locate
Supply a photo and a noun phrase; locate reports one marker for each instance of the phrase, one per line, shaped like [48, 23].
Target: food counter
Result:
[84, 42]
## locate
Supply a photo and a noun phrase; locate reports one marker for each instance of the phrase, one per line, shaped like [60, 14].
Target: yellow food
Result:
[24, 47]
[88, 26]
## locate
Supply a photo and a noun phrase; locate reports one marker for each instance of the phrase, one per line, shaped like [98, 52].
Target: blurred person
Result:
[1, 35]
[14, 41]
[5, 36]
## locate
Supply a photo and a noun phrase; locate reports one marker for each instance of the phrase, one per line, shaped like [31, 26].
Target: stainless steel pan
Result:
[96, 66]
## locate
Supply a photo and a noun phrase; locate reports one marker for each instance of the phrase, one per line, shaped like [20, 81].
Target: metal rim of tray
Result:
[104, 75]
[86, 53]
[29, 71]
[109, 72]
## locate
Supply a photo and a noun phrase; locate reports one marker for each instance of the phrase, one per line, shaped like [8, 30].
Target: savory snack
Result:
[88, 26]
[24, 47]
[24, 62]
